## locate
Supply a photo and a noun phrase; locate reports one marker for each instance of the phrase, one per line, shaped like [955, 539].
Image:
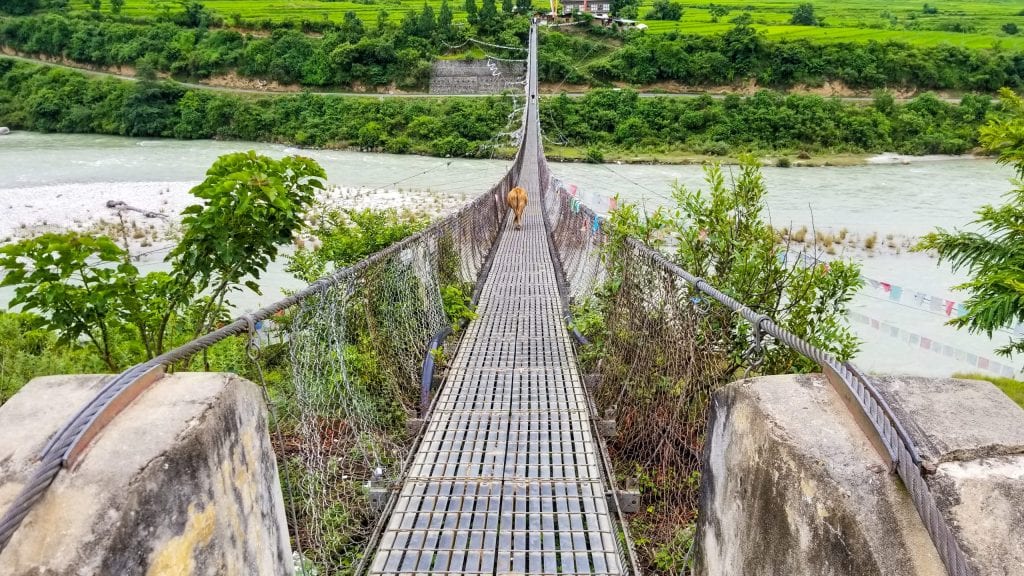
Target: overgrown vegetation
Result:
[54, 100]
[662, 348]
[190, 46]
[767, 121]
[342, 386]
[741, 53]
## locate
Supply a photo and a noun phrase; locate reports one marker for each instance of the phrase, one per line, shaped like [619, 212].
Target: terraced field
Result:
[846, 20]
[863, 20]
[279, 10]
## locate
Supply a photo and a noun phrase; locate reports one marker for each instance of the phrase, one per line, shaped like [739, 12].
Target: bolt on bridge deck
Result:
[507, 479]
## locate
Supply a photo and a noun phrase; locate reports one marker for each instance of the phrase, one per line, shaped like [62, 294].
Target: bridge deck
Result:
[507, 479]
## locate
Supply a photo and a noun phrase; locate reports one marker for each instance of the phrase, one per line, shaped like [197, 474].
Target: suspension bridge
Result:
[508, 473]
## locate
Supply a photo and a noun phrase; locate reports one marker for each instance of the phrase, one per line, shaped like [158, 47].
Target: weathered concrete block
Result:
[972, 436]
[955, 420]
[793, 487]
[183, 482]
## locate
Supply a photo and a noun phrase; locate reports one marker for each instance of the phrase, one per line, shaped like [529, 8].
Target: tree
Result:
[471, 13]
[506, 6]
[116, 5]
[804, 16]
[665, 10]
[1010, 28]
[524, 6]
[744, 19]
[426, 22]
[352, 27]
[19, 7]
[488, 19]
[94, 4]
[993, 253]
[252, 205]
[87, 288]
[717, 11]
[444, 20]
[80, 285]
[625, 8]
[929, 9]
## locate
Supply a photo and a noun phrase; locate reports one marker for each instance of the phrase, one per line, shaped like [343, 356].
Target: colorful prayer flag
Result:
[895, 293]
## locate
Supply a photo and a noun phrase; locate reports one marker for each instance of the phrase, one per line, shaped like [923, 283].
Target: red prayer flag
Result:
[886, 286]
[949, 307]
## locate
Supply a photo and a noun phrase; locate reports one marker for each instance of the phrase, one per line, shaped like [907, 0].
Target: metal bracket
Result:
[863, 421]
[414, 426]
[109, 412]
[607, 428]
[378, 495]
[624, 501]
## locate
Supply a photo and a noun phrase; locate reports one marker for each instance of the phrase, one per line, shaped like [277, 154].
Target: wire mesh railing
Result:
[355, 343]
[658, 370]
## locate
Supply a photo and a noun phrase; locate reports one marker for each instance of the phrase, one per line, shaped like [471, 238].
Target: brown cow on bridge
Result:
[516, 200]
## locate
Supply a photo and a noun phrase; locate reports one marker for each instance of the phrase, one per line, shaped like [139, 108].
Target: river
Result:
[65, 181]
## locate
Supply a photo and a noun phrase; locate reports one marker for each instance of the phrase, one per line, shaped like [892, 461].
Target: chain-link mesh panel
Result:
[578, 239]
[656, 371]
[357, 349]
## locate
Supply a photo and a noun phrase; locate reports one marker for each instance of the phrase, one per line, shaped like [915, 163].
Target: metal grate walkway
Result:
[507, 479]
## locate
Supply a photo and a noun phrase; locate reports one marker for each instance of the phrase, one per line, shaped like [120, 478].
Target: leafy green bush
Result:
[457, 305]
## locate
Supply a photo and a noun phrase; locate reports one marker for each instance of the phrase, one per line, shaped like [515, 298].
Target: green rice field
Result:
[863, 20]
[980, 21]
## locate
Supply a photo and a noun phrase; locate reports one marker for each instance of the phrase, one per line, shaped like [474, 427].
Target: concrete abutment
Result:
[183, 482]
[792, 486]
